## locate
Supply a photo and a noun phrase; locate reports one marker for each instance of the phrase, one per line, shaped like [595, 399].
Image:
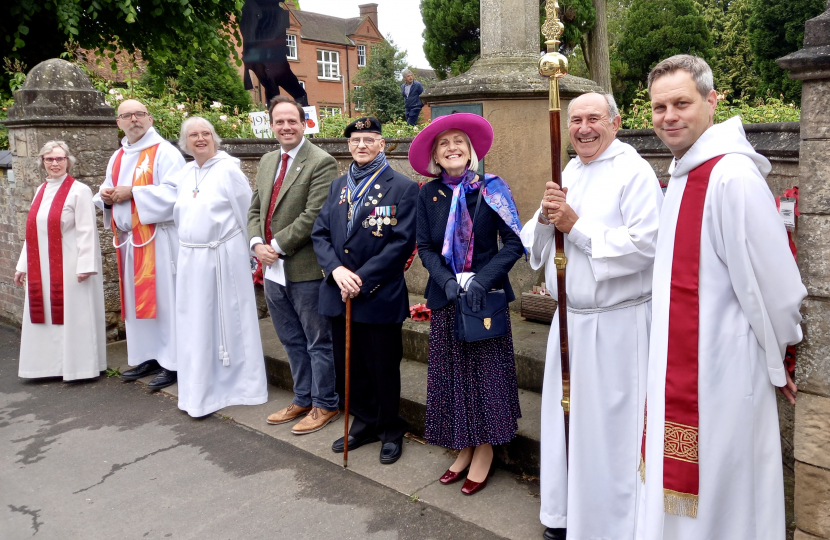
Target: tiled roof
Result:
[328, 29]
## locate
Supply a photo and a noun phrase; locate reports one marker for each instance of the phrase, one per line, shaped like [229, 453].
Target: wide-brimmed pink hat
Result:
[476, 127]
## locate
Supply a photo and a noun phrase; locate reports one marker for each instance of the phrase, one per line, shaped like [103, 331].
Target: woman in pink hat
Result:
[472, 394]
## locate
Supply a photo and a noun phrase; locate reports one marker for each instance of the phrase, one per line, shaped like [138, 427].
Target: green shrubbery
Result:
[333, 126]
[751, 111]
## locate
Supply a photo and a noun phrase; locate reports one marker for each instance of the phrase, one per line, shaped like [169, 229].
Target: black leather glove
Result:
[476, 296]
[452, 289]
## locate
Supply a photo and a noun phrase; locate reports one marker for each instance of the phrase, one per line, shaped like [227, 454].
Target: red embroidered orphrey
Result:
[681, 474]
[37, 313]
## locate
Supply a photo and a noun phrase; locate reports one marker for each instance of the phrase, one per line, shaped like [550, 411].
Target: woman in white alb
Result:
[219, 349]
[64, 333]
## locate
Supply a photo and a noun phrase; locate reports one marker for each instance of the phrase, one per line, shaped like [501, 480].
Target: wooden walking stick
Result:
[555, 66]
[348, 381]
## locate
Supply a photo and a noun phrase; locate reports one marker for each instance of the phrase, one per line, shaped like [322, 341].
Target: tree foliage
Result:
[36, 30]
[207, 81]
[579, 17]
[655, 30]
[776, 28]
[451, 35]
[381, 91]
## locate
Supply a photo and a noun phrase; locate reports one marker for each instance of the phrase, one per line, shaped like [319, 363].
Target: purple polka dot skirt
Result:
[472, 394]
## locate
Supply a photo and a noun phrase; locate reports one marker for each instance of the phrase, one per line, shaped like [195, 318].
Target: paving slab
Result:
[508, 507]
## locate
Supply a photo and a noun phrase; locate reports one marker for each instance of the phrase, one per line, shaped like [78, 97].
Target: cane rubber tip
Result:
[345, 463]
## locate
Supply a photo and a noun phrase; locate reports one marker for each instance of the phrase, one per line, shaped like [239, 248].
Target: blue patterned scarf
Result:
[357, 179]
[495, 192]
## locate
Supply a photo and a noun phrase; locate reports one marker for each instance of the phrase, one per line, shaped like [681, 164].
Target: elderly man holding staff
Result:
[363, 237]
[608, 208]
[63, 314]
[146, 247]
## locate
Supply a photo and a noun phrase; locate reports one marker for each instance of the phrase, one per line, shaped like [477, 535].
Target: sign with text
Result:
[260, 125]
[312, 124]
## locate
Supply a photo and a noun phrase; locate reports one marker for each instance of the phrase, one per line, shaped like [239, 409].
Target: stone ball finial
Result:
[57, 89]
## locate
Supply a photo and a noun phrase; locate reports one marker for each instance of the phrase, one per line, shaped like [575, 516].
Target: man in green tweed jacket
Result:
[291, 186]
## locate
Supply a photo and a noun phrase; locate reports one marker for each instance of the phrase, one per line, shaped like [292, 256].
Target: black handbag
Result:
[491, 320]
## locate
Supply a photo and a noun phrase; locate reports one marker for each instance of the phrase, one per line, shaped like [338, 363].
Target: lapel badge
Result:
[435, 199]
[442, 193]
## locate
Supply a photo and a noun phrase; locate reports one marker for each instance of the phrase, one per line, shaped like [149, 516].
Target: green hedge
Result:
[751, 111]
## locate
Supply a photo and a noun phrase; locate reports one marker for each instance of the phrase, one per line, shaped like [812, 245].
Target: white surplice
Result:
[215, 305]
[147, 338]
[610, 252]
[77, 348]
[750, 293]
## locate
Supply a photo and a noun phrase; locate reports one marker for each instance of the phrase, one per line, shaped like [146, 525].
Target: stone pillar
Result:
[505, 87]
[57, 102]
[812, 412]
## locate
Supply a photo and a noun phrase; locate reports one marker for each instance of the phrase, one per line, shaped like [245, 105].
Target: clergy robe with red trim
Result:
[75, 349]
[750, 292]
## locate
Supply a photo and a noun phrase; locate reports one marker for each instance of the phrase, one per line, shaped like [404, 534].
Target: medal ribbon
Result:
[681, 474]
[54, 237]
[144, 247]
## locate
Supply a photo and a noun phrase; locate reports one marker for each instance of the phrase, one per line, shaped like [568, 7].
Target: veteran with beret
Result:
[363, 237]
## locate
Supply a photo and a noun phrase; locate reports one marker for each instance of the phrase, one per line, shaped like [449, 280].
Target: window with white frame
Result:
[328, 64]
[361, 55]
[292, 47]
[357, 97]
[325, 112]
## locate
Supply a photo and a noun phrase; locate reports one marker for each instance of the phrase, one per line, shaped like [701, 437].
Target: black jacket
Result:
[490, 264]
[378, 260]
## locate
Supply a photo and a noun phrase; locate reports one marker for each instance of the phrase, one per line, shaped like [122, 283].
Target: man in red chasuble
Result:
[726, 298]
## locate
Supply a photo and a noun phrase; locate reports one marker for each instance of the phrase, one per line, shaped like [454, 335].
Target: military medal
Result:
[343, 195]
[394, 220]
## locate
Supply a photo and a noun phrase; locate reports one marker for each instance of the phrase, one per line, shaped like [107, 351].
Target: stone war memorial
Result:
[58, 101]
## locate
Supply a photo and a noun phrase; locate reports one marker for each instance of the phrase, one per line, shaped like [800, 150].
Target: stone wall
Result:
[812, 411]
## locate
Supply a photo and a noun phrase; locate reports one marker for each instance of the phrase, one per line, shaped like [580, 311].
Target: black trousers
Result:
[272, 75]
[375, 397]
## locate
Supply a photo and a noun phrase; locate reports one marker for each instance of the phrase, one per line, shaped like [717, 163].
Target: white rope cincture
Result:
[129, 239]
[223, 350]
[621, 305]
[169, 246]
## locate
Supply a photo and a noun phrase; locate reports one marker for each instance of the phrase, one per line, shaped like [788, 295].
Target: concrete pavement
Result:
[110, 460]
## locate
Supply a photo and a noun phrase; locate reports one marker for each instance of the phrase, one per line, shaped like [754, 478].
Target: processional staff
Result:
[555, 66]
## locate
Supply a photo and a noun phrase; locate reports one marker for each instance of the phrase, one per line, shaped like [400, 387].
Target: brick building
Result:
[325, 53]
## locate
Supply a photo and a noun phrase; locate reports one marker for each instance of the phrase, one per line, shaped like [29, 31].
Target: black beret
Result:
[368, 124]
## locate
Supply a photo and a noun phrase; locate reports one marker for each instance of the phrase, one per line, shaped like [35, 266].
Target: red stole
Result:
[681, 475]
[144, 248]
[55, 239]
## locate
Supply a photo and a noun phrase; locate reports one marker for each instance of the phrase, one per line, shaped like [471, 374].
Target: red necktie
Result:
[274, 194]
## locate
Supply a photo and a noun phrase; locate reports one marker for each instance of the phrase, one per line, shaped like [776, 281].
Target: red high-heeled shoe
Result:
[471, 487]
[451, 477]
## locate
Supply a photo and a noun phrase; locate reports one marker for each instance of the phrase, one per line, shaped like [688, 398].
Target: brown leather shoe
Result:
[315, 421]
[287, 414]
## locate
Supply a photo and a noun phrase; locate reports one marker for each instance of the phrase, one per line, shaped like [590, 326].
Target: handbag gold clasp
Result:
[487, 323]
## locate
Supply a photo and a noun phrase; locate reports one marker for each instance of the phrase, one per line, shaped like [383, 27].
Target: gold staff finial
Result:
[553, 64]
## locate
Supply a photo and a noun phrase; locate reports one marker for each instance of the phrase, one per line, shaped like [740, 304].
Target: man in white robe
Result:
[151, 344]
[724, 478]
[610, 220]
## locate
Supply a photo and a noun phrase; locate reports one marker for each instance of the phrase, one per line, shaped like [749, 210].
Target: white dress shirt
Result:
[291, 155]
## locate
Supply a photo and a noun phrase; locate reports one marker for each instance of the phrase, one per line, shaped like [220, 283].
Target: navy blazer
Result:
[414, 100]
[490, 263]
[378, 260]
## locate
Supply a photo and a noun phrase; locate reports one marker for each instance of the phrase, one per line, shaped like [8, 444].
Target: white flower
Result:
[180, 106]
[216, 105]
[185, 114]
[111, 91]
[223, 117]
[118, 97]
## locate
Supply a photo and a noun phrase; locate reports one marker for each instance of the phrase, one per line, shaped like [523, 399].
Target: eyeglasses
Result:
[51, 160]
[368, 141]
[139, 115]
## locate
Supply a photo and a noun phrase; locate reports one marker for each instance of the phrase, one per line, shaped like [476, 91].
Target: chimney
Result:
[371, 11]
